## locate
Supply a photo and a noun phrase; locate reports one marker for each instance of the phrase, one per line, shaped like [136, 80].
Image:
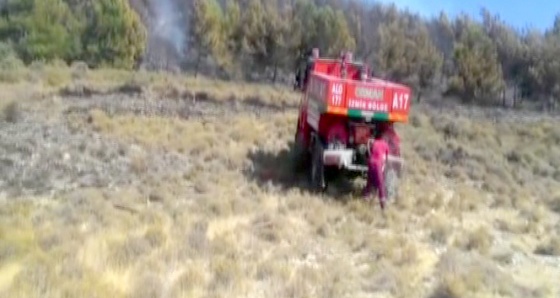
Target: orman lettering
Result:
[376, 94]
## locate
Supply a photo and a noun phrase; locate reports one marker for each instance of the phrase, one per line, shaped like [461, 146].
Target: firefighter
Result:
[379, 152]
[300, 69]
[364, 73]
[313, 55]
[297, 84]
[305, 67]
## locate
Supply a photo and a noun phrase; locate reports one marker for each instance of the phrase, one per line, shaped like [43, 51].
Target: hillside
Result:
[120, 181]
[134, 184]
[264, 41]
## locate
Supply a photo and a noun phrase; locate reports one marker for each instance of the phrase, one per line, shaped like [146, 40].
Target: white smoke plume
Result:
[167, 24]
[170, 23]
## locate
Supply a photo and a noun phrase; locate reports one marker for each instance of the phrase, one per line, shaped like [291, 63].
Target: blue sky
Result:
[535, 13]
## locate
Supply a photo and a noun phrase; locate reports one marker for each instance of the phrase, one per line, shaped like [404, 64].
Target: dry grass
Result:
[43, 80]
[478, 209]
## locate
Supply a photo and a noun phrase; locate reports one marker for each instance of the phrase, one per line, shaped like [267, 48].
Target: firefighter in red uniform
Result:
[379, 152]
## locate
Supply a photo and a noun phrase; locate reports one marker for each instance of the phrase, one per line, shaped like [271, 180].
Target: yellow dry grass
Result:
[218, 232]
[40, 80]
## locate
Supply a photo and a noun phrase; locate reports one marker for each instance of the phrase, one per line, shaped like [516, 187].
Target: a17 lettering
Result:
[400, 101]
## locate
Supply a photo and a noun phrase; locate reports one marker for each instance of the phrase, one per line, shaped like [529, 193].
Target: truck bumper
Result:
[343, 159]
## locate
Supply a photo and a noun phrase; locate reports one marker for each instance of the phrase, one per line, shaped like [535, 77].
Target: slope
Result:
[151, 185]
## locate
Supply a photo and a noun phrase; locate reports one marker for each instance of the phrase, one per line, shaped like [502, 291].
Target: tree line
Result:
[483, 62]
[98, 32]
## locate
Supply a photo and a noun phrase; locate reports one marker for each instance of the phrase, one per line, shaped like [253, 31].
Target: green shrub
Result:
[11, 67]
[103, 32]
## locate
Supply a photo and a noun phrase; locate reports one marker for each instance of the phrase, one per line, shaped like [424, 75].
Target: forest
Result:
[480, 60]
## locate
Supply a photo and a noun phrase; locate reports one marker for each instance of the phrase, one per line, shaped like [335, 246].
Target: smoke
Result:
[167, 24]
[170, 23]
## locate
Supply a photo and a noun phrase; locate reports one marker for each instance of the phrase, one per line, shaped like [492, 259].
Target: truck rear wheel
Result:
[300, 153]
[317, 169]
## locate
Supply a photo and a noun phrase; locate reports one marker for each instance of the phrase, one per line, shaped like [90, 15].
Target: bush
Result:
[11, 67]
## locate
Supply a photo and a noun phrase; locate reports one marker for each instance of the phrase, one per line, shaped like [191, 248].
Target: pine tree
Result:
[114, 34]
[479, 73]
[206, 30]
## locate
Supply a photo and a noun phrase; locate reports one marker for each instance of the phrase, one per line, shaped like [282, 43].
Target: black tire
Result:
[300, 153]
[317, 169]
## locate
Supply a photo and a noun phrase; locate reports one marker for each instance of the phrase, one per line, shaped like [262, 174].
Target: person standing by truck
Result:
[304, 68]
[379, 152]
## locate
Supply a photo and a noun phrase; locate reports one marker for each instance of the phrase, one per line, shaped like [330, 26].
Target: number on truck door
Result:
[337, 94]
